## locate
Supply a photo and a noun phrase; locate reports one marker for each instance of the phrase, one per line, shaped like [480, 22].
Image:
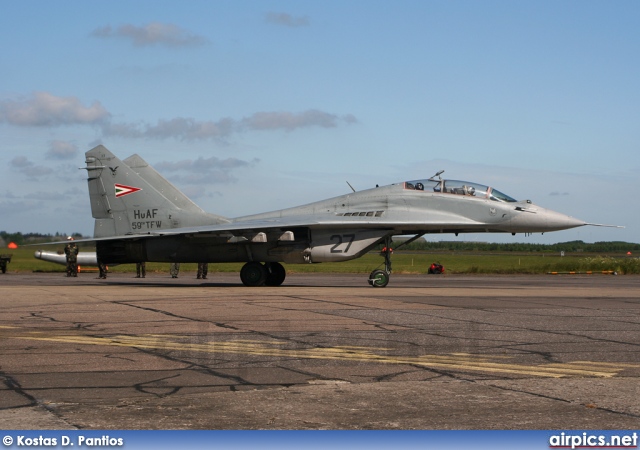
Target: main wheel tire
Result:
[253, 274]
[276, 274]
[379, 278]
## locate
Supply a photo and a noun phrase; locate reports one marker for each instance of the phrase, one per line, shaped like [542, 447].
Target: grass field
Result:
[403, 262]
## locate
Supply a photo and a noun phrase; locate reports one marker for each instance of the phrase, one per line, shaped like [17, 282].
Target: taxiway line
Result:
[461, 362]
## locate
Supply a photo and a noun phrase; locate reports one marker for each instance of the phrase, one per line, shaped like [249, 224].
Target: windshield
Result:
[458, 188]
[499, 196]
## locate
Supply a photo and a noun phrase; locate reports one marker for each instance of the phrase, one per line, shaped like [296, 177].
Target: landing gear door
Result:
[342, 245]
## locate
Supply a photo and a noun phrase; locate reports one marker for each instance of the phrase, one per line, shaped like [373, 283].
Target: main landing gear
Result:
[257, 274]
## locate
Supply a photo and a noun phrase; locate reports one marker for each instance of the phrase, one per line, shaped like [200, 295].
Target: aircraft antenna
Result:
[351, 186]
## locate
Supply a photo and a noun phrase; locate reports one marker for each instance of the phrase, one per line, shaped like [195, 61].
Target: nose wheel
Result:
[379, 278]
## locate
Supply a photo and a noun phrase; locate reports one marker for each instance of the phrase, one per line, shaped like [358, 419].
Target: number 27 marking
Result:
[340, 238]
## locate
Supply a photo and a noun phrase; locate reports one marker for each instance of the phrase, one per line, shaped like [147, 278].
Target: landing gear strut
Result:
[256, 274]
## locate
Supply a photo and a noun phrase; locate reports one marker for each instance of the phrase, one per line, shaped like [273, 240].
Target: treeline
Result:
[572, 246]
[35, 238]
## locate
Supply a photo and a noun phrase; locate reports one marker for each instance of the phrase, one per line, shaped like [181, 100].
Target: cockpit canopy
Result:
[458, 188]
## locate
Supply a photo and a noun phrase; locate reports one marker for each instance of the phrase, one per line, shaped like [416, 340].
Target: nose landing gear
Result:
[380, 278]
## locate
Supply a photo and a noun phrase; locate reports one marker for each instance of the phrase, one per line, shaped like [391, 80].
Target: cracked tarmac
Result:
[319, 352]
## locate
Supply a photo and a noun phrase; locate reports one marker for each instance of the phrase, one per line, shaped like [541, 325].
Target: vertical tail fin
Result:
[126, 200]
[161, 184]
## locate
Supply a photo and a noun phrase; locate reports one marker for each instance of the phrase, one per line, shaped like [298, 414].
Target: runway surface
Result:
[319, 352]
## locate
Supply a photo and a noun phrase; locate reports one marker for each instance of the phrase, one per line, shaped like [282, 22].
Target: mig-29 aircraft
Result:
[140, 216]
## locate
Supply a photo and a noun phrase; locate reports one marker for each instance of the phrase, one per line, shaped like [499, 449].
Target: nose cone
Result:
[534, 219]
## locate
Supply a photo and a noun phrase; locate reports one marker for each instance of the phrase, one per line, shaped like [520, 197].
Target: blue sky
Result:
[250, 106]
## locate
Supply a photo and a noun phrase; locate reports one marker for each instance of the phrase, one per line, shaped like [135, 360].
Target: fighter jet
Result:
[140, 216]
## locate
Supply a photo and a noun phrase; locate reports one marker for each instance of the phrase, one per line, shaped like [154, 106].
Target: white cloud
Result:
[62, 150]
[45, 109]
[188, 129]
[192, 129]
[203, 164]
[291, 121]
[28, 168]
[179, 128]
[203, 171]
[286, 20]
[155, 33]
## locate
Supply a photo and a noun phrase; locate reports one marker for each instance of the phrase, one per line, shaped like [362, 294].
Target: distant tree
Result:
[34, 238]
[570, 246]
